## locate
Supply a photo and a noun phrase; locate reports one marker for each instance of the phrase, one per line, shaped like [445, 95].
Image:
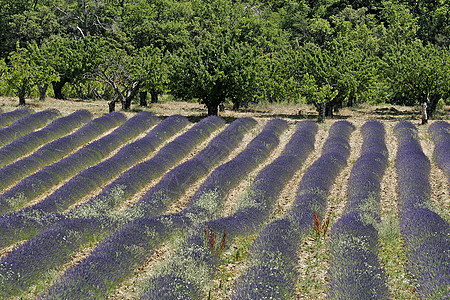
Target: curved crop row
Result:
[57, 149]
[7, 118]
[26, 125]
[116, 258]
[36, 184]
[27, 222]
[56, 129]
[426, 234]
[272, 268]
[355, 271]
[196, 261]
[440, 132]
[65, 237]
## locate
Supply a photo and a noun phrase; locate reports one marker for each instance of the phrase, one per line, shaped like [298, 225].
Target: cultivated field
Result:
[163, 203]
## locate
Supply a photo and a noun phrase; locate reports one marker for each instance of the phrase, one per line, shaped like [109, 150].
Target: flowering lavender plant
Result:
[426, 234]
[26, 125]
[57, 149]
[7, 118]
[33, 140]
[272, 268]
[97, 226]
[440, 132]
[34, 185]
[355, 271]
[147, 233]
[200, 258]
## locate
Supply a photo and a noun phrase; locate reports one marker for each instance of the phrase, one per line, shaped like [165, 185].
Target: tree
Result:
[151, 69]
[72, 59]
[126, 74]
[25, 71]
[222, 60]
[216, 69]
[318, 94]
[417, 74]
[116, 71]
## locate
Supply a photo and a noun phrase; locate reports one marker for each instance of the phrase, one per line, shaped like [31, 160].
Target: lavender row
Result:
[272, 268]
[27, 222]
[174, 183]
[426, 234]
[26, 125]
[440, 132]
[8, 118]
[57, 149]
[412, 167]
[114, 260]
[36, 184]
[180, 278]
[355, 271]
[56, 129]
[89, 228]
[94, 177]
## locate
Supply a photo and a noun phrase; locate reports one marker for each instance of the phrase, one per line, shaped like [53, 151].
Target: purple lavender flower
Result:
[272, 271]
[440, 132]
[7, 118]
[426, 234]
[31, 141]
[171, 223]
[57, 149]
[36, 184]
[26, 125]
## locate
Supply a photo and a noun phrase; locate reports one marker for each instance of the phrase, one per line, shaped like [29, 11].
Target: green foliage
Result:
[417, 73]
[151, 68]
[224, 57]
[223, 50]
[26, 69]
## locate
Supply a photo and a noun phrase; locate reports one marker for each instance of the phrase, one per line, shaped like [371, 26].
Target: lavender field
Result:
[140, 206]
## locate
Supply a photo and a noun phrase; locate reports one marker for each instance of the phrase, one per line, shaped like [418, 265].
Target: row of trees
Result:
[328, 53]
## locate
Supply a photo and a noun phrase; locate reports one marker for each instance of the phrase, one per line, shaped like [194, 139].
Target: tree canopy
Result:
[329, 53]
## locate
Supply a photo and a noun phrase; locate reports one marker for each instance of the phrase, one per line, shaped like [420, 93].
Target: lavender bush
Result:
[355, 271]
[27, 222]
[440, 132]
[34, 185]
[26, 125]
[56, 129]
[7, 118]
[195, 261]
[426, 234]
[97, 226]
[272, 267]
[113, 260]
[57, 149]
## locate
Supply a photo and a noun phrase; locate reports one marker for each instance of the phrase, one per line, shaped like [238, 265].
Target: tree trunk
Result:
[126, 104]
[424, 113]
[213, 110]
[42, 91]
[236, 105]
[57, 88]
[126, 101]
[154, 96]
[329, 110]
[21, 99]
[112, 105]
[350, 101]
[321, 109]
[432, 105]
[143, 99]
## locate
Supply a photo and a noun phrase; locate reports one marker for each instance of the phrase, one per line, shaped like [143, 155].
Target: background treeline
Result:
[330, 53]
